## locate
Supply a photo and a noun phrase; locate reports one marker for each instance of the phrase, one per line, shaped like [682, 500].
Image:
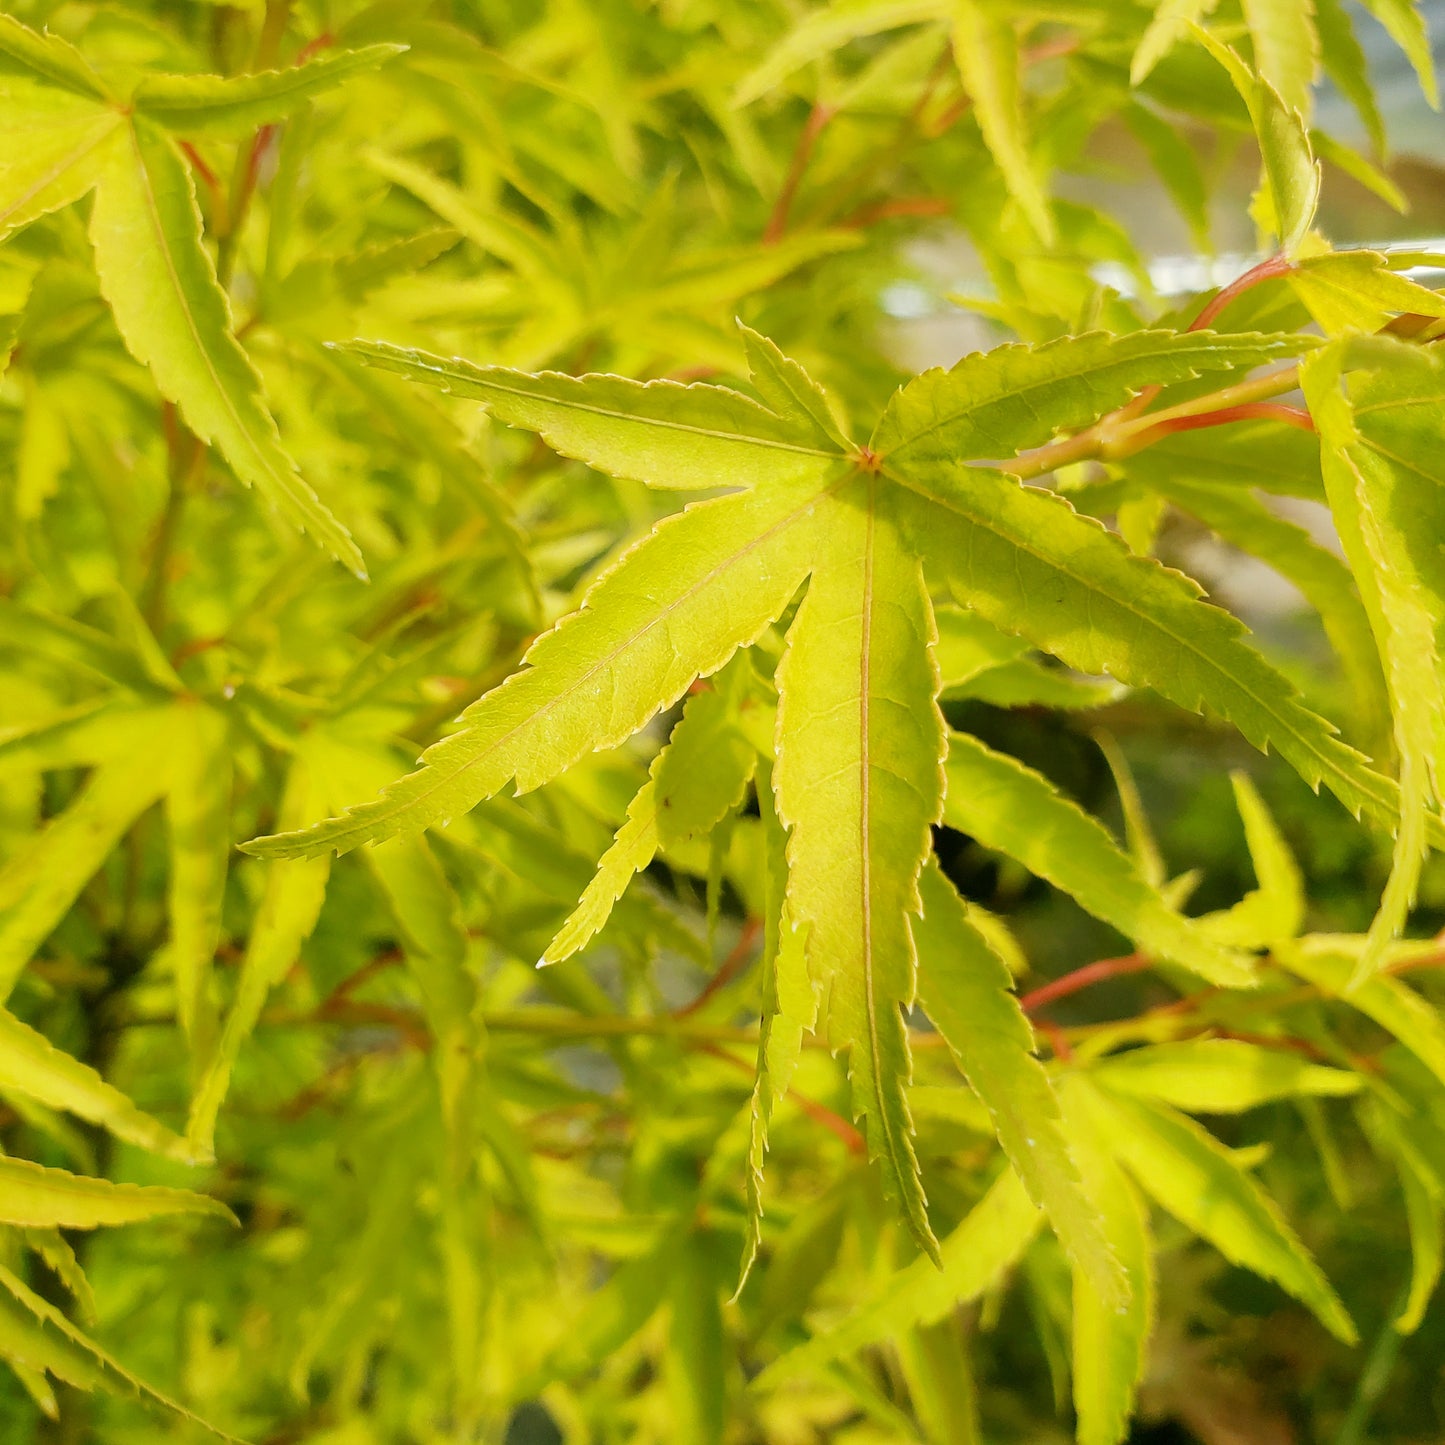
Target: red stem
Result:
[1266, 270]
[1085, 977]
[813, 127]
[1295, 416]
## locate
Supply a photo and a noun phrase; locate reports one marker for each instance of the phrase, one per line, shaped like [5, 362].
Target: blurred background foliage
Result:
[546, 1252]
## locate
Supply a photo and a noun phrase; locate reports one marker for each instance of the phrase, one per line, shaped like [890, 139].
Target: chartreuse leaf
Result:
[659, 432]
[198, 815]
[1138, 833]
[699, 776]
[36, 1197]
[1406, 26]
[53, 146]
[1286, 47]
[1220, 1076]
[1388, 511]
[228, 105]
[979, 1252]
[696, 1357]
[859, 784]
[790, 392]
[1422, 1191]
[969, 645]
[705, 582]
[1244, 521]
[39, 884]
[1330, 964]
[986, 50]
[1348, 68]
[31, 1065]
[35, 1336]
[290, 905]
[1008, 807]
[51, 57]
[790, 1010]
[821, 31]
[994, 404]
[1357, 291]
[1108, 1340]
[1291, 189]
[1169, 25]
[161, 285]
[1028, 562]
[64, 1264]
[1274, 911]
[965, 990]
[1198, 1181]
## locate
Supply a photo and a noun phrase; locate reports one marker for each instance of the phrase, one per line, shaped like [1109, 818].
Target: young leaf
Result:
[36, 1197]
[161, 284]
[859, 784]
[965, 990]
[1291, 173]
[229, 105]
[659, 432]
[1009, 807]
[1356, 291]
[1198, 1181]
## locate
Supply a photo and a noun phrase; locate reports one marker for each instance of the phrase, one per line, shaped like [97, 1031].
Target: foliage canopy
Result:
[619, 1020]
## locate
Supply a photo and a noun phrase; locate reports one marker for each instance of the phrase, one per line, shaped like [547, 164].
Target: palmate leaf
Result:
[61, 136]
[859, 739]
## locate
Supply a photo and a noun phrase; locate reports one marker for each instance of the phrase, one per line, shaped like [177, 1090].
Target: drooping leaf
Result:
[859, 785]
[1009, 807]
[161, 284]
[1197, 1180]
[964, 988]
[1346, 65]
[1406, 25]
[228, 105]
